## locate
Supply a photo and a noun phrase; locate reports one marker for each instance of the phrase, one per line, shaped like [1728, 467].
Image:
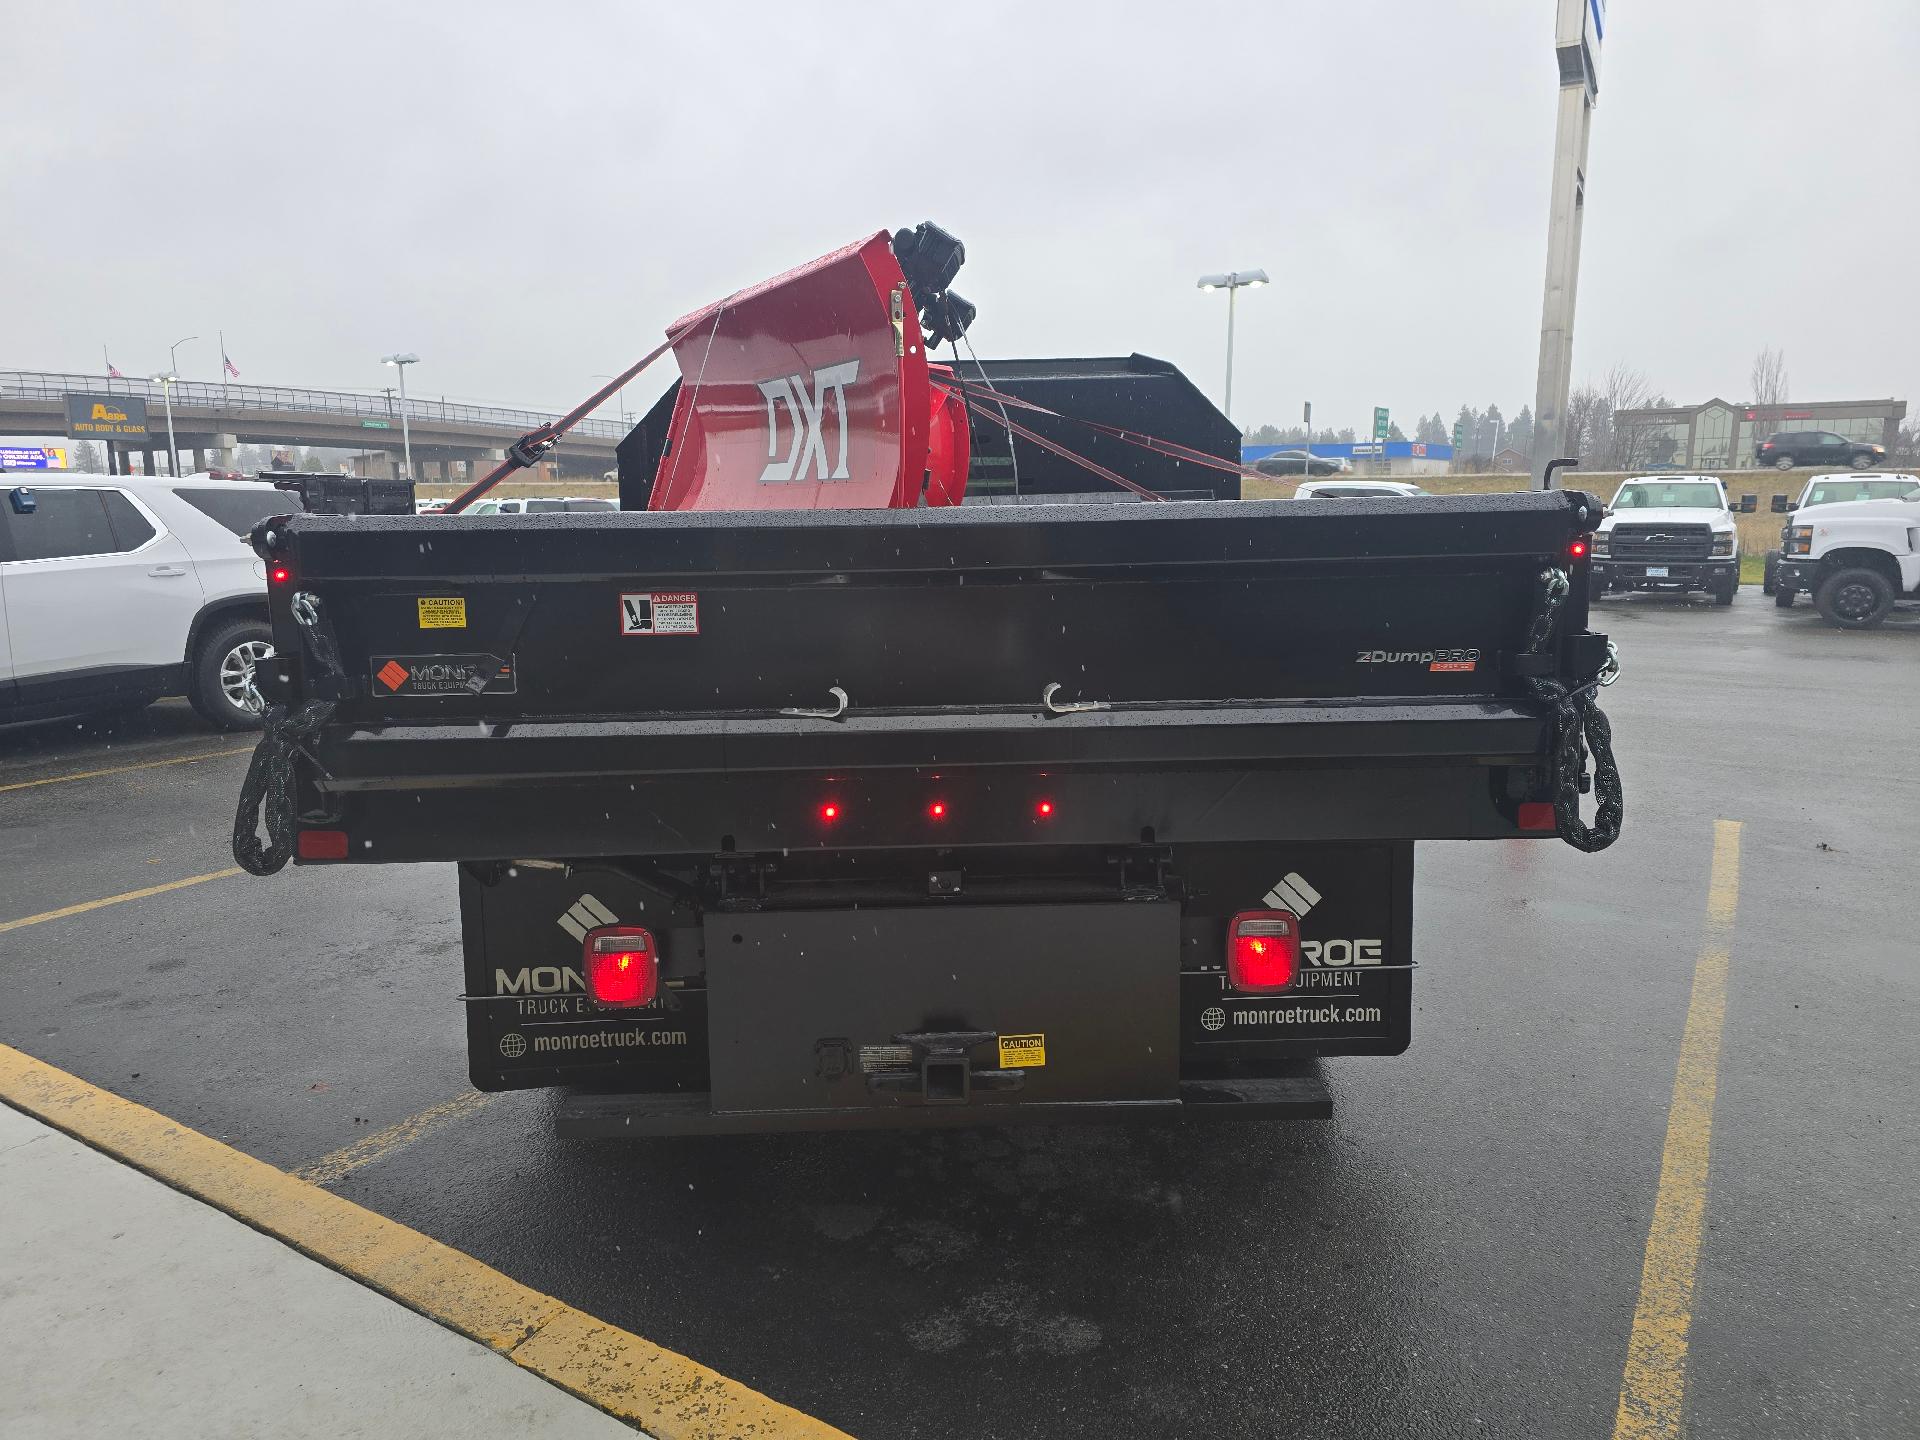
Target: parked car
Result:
[1357, 490]
[116, 590]
[541, 505]
[1669, 532]
[1829, 490]
[1300, 462]
[1785, 449]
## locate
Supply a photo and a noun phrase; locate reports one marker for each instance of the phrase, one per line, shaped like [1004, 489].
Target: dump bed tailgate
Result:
[508, 682]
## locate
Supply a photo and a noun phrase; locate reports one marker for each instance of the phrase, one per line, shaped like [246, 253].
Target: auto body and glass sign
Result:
[117, 416]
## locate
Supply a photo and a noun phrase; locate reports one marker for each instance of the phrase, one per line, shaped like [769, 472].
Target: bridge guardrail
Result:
[198, 394]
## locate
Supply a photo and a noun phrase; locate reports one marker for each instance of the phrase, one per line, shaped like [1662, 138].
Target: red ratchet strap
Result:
[993, 399]
[986, 412]
[527, 451]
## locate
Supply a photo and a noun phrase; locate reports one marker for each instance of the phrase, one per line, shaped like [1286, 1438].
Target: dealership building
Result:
[1722, 435]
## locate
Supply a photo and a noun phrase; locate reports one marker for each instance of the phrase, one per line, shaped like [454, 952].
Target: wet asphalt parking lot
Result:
[1458, 1252]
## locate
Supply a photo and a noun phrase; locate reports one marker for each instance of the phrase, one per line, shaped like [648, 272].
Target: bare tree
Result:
[1767, 380]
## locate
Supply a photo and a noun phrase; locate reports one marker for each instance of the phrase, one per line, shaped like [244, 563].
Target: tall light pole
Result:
[1230, 282]
[400, 363]
[173, 374]
[165, 382]
[1579, 27]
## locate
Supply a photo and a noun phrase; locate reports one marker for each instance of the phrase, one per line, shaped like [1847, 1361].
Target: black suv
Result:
[1785, 449]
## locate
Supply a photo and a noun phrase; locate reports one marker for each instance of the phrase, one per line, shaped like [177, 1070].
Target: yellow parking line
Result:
[666, 1394]
[85, 905]
[1653, 1386]
[382, 1143]
[123, 769]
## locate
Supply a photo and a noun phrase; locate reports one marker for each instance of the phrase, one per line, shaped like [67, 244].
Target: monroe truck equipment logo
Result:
[1293, 893]
[1340, 952]
[443, 674]
[806, 457]
[539, 980]
[585, 914]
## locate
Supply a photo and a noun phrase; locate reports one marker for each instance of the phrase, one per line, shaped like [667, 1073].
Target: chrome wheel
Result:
[237, 669]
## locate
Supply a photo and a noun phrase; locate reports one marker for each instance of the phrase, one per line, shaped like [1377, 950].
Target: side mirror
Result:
[1783, 504]
[22, 500]
[1748, 504]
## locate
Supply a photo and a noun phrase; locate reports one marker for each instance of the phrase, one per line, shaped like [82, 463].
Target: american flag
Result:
[113, 370]
[231, 368]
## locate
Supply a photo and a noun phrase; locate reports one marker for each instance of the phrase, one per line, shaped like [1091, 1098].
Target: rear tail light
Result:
[1577, 550]
[280, 574]
[1263, 950]
[321, 845]
[622, 966]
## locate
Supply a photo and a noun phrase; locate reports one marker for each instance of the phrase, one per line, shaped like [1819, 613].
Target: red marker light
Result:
[1538, 815]
[1044, 809]
[1577, 550]
[321, 845]
[280, 574]
[937, 810]
[830, 811]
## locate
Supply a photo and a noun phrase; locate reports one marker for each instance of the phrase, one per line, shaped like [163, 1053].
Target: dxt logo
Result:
[806, 457]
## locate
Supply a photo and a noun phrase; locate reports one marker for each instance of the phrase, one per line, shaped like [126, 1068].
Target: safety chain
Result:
[1580, 728]
[269, 793]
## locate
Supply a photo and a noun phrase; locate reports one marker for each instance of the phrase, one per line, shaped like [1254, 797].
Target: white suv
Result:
[116, 590]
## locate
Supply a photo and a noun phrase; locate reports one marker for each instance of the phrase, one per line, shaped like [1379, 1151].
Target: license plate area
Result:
[834, 1009]
[1656, 572]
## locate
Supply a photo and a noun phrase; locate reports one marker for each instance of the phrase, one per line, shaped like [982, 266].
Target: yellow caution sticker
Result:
[1018, 1052]
[443, 612]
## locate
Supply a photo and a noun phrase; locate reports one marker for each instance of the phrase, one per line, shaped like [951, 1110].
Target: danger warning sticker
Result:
[1020, 1052]
[443, 612]
[660, 612]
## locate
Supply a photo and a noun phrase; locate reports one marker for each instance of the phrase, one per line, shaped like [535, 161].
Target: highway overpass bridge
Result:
[450, 441]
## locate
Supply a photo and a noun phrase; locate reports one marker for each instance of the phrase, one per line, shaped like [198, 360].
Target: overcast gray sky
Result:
[527, 194]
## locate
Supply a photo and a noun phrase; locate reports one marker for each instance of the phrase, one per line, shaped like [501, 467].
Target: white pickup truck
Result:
[1669, 532]
[1857, 558]
[1827, 489]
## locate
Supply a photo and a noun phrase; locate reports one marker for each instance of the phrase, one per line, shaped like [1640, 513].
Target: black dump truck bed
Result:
[875, 780]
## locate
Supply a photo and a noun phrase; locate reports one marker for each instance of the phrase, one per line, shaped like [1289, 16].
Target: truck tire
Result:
[1724, 587]
[1770, 573]
[221, 675]
[1783, 599]
[1785, 462]
[1854, 599]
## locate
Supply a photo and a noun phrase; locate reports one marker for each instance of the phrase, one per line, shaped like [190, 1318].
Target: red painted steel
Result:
[812, 391]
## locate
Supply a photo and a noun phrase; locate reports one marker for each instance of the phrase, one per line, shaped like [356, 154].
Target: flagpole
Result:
[223, 365]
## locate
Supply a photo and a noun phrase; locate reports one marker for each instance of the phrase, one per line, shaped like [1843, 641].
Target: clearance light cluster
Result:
[1263, 950]
[831, 811]
[622, 966]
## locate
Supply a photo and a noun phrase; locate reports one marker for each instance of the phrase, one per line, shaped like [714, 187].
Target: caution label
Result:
[1020, 1052]
[659, 612]
[443, 612]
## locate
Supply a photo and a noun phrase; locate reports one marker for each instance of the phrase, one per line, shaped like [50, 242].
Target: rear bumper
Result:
[1299, 1095]
[1680, 574]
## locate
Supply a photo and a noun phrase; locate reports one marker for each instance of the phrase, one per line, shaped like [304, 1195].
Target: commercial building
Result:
[1721, 434]
[1393, 457]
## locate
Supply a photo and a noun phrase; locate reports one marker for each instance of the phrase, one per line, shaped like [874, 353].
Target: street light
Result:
[166, 389]
[165, 382]
[400, 363]
[1230, 282]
